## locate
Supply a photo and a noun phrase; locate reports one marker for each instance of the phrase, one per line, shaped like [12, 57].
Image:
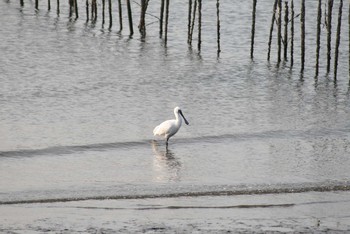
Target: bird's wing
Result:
[163, 128]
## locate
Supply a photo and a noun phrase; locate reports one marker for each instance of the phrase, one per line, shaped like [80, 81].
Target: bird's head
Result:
[177, 110]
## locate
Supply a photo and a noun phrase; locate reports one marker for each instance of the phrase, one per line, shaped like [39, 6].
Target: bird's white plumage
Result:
[170, 127]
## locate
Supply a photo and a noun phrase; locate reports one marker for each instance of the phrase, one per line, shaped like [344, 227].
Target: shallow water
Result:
[78, 104]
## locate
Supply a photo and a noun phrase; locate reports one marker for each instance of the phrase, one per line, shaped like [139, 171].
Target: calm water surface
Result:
[78, 104]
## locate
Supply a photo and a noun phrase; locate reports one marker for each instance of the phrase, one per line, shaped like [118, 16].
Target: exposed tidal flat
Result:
[312, 212]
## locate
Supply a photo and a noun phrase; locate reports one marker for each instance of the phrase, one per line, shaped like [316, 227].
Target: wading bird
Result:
[170, 127]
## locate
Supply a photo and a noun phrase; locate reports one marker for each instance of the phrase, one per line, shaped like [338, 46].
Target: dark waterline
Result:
[242, 190]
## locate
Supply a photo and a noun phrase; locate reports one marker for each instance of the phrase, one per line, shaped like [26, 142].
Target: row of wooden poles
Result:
[289, 20]
[195, 7]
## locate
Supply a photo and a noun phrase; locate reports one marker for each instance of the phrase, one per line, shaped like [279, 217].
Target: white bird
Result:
[170, 127]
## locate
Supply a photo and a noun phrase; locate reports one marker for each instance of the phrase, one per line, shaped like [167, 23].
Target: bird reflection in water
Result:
[165, 164]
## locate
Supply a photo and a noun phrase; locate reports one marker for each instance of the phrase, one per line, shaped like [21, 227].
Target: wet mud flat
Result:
[316, 212]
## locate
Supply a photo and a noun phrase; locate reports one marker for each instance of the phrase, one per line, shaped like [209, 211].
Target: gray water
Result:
[78, 104]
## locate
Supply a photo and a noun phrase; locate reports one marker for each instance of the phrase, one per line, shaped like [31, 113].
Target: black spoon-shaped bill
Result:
[180, 112]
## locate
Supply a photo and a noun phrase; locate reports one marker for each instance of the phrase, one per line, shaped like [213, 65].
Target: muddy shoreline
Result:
[320, 212]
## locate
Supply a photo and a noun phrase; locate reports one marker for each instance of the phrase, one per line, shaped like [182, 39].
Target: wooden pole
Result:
[271, 29]
[87, 10]
[110, 14]
[92, 10]
[36, 4]
[141, 22]
[95, 2]
[189, 21]
[329, 33]
[253, 30]
[162, 6]
[292, 35]
[120, 15]
[193, 21]
[166, 20]
[103, 11]
[130, 17]
[71, 8]
[318, 37]
[142, 26]
[76, 9]
[337, 42]
[199, 25]
[58, 7]
[48, 5]
[302, 25]
[279, 31]
[21, 2]
[218, 25]
[285, 39]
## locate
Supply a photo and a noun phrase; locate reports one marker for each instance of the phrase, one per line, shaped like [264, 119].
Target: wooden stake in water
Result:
[279, 31]
[110, 14]
[58, 7]
[92, 9]
[218, 25]
[103, 12]
[87, 10]
[36, 4]
[166, 20]
[189, 21]
[271, 29]
[318, 37]
[142, 24]
[71, 8]
[253, 29]
[48, 5]
[95, 1]
[131, 28]
[193, 21]
[22, 3]
[285, 38]
[302, 25]
[337, 42]
[93, 5]
[95, 10]
[292, 34]
[162, 6]
[199, 25]
[329, 33]
[142, 19]
[120, 15]
[76, 9]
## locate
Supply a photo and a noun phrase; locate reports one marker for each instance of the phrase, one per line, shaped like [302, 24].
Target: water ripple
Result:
[230, 191]
[280, 134]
